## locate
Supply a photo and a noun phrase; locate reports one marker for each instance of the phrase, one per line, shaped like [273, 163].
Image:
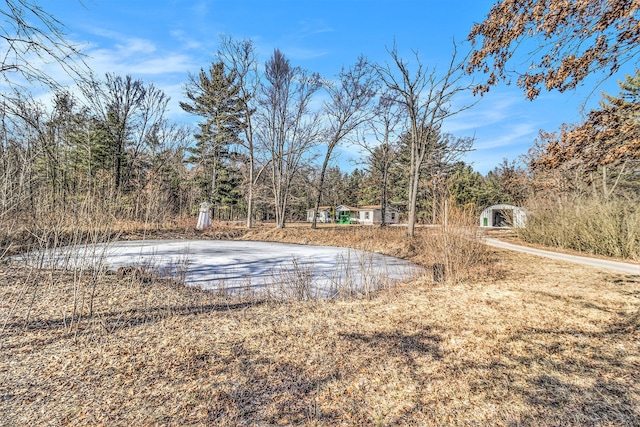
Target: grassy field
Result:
[520, 341]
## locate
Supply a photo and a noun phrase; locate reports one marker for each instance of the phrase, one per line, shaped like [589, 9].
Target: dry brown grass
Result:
[539, 342]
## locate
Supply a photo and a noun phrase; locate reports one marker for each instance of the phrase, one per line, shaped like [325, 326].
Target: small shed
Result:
[324, 214]
[373, 215]
[503, 215]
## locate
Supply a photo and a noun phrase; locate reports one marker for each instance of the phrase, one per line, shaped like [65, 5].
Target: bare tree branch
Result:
[30, 40]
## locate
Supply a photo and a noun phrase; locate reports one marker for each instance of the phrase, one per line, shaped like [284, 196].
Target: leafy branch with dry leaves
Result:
[572, 39]
[609, 138]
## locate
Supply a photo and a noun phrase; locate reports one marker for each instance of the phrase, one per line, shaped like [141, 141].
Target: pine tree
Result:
[214, 96]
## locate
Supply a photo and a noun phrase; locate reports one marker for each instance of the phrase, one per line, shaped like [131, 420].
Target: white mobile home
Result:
[373, 215]
[344, 214]
[324, 214]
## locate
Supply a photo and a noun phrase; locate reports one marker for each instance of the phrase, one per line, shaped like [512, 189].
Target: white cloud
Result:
[200, 8]
[136, 46]
[509, 135]
[140, 58]
[300, 53]
[504, 125]
[137, 57]
[492, 109]
[187, 43]
[153, 66]
[311, 28]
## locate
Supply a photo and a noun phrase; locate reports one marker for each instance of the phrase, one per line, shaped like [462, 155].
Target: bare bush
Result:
[600, 227]
[457, 245]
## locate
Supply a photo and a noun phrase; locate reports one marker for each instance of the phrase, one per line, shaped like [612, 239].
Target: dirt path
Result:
[616, 266]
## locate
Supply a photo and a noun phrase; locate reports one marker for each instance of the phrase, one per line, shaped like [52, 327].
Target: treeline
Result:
[120, 155]
[263, 146]
[115, 153]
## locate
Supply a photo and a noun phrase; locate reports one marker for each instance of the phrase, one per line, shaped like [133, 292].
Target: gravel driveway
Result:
[615, 266]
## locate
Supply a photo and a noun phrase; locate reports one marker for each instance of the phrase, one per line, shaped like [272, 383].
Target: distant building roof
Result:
[347, 208]
[374, 207]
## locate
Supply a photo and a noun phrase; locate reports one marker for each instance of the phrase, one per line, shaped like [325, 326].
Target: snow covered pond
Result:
[241, 266]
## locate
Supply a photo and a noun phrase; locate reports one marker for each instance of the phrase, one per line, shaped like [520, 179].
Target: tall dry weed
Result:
[41, 245]
[608, 227]
[456, 246]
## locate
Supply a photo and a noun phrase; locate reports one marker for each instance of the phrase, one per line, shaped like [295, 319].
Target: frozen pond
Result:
[242, 266]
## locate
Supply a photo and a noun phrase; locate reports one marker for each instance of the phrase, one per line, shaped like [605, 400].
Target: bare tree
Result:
[129, 110]
[164, 177]
[346, 109]
[240, 59]
[22, 135]
[382, 150]
[425, 97]
[289, 130]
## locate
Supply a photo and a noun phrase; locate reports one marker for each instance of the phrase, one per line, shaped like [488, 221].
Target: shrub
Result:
[600, 227]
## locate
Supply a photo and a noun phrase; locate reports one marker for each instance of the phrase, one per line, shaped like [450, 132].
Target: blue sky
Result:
[161, 41]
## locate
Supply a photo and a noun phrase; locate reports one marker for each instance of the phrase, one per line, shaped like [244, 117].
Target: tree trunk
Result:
[280, 204]
[434, 209]
[117, 183]
[250, 194]
[320, 186]
[413, 198]
[383, 201]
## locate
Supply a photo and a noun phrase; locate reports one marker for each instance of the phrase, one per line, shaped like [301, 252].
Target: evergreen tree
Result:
[353, 193]
[465, 185]
[214, 96]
